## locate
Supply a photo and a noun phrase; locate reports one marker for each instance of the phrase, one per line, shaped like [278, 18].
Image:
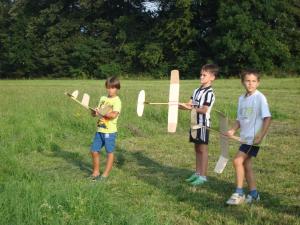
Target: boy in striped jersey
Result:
[253, 120]
[201, 103]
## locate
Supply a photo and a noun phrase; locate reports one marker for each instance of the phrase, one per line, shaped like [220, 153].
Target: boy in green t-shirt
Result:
[108, 111]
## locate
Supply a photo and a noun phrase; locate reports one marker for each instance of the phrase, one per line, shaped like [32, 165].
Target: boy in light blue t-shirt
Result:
[253, 120]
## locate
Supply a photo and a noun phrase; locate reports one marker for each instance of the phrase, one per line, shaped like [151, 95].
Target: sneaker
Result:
[192, 178]
[95, 178]
[236, 199]
[102, 179]
[99, 178]
[250, 199]
[198, 181]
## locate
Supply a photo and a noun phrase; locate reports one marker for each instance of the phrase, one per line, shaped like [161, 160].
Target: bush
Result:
[110, 69]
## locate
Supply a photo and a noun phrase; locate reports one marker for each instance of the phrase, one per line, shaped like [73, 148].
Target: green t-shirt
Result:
[105, 125]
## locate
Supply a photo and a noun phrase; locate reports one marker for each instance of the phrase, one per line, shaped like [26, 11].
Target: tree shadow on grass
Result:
[211, 196]
[274, 203]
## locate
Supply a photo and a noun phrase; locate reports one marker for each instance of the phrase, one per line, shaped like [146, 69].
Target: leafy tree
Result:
[248, 35]
[4, 36]
[99, 38]
[176, 33]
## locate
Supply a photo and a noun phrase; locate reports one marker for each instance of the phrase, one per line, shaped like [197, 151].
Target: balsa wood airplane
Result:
[102, 110]
[173, 104]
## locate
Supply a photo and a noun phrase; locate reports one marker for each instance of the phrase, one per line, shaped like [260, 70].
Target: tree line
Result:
[99, 38]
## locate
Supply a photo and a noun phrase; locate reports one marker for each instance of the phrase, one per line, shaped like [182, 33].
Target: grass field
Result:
[45, 161]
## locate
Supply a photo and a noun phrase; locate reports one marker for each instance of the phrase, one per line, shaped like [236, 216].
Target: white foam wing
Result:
[224, 144]
[221, 164]
[85, 100]
[173, 101]
[140, 103]
[75, 94]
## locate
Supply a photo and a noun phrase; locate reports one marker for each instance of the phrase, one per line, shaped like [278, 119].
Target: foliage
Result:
[84, 38]
[251, 36]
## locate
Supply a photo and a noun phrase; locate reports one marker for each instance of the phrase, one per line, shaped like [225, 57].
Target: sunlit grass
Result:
[45, 162]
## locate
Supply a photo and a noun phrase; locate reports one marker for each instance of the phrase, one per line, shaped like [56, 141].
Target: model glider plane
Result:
[102, 110]
[85, 99]
[173, 117]
[173, 102]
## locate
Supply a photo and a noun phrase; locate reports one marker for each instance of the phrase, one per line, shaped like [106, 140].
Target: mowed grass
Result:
[45, 161]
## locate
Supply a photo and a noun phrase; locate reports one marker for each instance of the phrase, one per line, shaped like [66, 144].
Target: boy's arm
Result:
[259, 137]
[188, 106]
[111, 115]
[232, 130]
[114, 112]
[96, 112]
[185, 106]
[209, 98]
[202, 110]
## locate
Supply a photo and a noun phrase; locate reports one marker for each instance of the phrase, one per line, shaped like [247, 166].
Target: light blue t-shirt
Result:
[251, 112]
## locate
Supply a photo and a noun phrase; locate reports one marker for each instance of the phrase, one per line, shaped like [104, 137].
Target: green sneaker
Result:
[99, 178]
[198, 181]
[192, 178]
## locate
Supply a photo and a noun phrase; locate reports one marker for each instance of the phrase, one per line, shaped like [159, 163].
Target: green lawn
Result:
[45, 161]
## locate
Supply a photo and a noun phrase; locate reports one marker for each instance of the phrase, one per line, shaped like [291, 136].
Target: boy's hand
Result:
[202, 109]
[230, 132]
[185, 106]
[93, 113]
[258, 139]
[103, 111]
[97, 112]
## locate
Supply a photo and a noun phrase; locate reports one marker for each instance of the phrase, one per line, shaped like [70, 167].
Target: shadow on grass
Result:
[211, 196]
[77, 159]
[73, 158]
[274, 203]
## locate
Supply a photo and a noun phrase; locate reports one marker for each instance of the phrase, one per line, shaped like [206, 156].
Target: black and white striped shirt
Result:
[203, 97]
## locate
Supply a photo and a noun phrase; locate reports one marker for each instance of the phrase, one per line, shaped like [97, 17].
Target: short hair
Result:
[246, 72]
[212, 68]
[112, 82]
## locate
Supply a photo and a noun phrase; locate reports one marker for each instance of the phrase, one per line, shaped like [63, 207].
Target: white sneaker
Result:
[250, 199]
[236, 199]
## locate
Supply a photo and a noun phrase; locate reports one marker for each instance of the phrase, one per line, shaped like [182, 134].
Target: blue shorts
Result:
[102, 139]
[249, 149]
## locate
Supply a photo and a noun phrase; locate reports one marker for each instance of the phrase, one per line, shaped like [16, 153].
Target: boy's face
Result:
[206, 77]
[111, 91]
[250, 83]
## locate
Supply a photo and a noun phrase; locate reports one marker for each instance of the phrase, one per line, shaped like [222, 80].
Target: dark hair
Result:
[246, 72]
[112, 82]
[212, 68]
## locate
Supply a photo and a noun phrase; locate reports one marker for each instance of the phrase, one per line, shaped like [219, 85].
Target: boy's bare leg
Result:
[238, 164]
[204, 159]
[198, 158]
[201, 159]
[96, 163]
[249, 174]
[109, 164]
